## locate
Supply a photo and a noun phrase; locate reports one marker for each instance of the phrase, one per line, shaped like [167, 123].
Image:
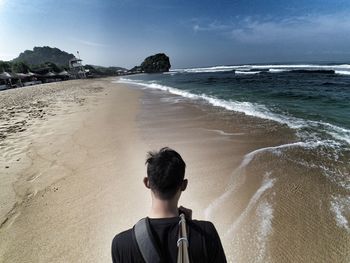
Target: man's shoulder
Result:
[205, 241]
[124, 248]
[122, 238]
[124, 242]
[206, 228]
[202, 223]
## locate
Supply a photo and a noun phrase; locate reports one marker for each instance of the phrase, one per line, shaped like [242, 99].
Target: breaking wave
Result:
[343, 69]
[247, 72]
[250, 109]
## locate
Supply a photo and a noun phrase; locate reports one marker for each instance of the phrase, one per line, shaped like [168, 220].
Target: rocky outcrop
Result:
[156, 63]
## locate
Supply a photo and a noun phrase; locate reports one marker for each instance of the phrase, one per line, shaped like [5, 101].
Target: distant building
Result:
[76, 68]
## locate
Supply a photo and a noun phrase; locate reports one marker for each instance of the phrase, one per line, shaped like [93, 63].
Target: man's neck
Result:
[164, 208]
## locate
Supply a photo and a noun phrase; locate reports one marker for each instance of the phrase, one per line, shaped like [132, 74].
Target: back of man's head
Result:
[166, 172]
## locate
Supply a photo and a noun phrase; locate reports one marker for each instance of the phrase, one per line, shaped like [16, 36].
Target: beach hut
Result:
[32, 79]
[21, 77]
[31, 74]
[49, 77]
[76, 68]
[5, 75]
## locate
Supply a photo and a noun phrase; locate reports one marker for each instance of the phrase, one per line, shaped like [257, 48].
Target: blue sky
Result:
[192, 33]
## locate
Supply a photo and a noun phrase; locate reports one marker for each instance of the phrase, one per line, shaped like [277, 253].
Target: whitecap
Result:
[277, 70]
[341, 68]
[206, 69]
[342, 72]
[247, 72]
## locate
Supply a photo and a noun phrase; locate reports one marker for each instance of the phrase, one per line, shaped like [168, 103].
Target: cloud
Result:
[294, 29]
[2, 4]
[90, 43]
[212, 26]
[297, 29]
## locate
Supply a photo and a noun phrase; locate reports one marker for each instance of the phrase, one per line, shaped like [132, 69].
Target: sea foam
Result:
[266, 184]
[340, 207]
[237, 176]
[265, 215]
[250, 109]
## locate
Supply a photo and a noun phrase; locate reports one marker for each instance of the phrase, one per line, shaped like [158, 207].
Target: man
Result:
[165, 178]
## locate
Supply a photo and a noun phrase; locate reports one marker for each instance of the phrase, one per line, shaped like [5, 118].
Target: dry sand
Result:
[74, 176]
[78, 179]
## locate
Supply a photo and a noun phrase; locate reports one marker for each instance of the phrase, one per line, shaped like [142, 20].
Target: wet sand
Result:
[246, 175]
[74, 175]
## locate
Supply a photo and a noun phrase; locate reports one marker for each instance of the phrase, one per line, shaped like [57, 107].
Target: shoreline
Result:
[100, 132]
[248, 176]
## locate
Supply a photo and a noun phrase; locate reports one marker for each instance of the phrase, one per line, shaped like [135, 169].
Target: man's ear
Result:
[184, 185]
[146, 182]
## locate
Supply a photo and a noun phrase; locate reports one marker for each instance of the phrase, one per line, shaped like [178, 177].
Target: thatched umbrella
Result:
[31, 74]
[50, 75]
[5, 75]
[21, 75]
[63, 73]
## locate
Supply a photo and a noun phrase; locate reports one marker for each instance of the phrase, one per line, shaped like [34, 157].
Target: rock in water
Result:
[156, 63]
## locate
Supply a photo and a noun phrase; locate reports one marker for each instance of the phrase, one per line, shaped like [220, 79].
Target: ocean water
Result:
[312, 100]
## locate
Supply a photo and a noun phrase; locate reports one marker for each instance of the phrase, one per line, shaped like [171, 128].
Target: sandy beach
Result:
[77, 181]
[72, 163]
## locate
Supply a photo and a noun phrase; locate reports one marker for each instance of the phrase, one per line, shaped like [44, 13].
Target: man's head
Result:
[165, 173]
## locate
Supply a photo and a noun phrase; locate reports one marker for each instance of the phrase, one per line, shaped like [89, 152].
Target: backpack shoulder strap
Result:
[145, 241]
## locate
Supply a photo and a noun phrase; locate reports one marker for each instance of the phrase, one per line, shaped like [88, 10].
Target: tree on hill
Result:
[5, 66]
[53, 67]
[104, 71]
[41, 55]
[20, 67]
[46, 67]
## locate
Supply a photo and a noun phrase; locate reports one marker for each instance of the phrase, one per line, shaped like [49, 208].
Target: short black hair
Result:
[165, 171]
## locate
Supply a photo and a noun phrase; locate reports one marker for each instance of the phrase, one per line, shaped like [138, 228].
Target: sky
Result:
[191, 33]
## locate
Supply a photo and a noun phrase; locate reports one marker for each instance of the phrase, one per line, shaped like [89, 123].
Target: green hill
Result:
[104, 71]
[41, 55]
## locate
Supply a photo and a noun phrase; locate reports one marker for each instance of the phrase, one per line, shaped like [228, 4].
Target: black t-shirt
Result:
[204, 242]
